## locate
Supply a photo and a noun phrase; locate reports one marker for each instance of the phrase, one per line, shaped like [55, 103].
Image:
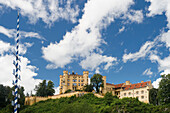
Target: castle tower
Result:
[104, 85]
[85, 76]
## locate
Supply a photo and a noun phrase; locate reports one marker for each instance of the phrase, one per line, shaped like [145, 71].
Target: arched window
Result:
[142, 97]
[124, 94]
[142, 91]
[137, 92]
[129, 93]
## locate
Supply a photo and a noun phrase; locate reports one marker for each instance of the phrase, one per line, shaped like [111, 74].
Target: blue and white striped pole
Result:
[16, 71]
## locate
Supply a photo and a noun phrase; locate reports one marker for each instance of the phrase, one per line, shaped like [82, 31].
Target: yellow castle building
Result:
[127, 89]
[73, 81]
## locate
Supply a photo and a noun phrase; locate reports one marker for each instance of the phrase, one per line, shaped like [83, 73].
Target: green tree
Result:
[4, 92]
[108, 98]
[41, 89]
[164, 90]
[153, 99]
[50, 88]
[97, 81]
[88, 88]
[44, 89]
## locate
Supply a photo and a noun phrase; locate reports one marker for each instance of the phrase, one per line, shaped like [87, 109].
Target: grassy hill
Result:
[91, 104]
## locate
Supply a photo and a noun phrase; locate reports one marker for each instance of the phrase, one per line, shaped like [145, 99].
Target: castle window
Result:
[81, 80]
[74, 80]
[68, 80]
[129, 93]
[68, 84]
[124, 94]
[142, 97]
[142, 91]
[81, 84]
[74, 84]
[137, 92]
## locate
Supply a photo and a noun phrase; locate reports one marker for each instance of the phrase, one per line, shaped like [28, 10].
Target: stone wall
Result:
[33, 99]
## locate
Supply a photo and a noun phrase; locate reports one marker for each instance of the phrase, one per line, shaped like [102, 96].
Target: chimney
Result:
[127, 83]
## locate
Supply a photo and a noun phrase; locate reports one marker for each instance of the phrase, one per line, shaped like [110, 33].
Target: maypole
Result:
[16, 71]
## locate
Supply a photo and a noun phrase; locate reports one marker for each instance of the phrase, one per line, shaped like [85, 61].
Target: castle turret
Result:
[65, 78]
[85, 76]
[104, 85]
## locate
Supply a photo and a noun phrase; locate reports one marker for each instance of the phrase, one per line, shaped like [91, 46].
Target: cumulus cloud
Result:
[57, 90]
[156, 83]
[144, 50]
[11, 33]
[6, 68]
[48, 11]
[94, 60]
[85, 39]
[156, 7]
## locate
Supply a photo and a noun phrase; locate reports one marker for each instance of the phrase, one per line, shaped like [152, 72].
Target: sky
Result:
[120, 39]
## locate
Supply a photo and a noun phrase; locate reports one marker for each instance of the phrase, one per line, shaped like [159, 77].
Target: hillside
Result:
[91, 104]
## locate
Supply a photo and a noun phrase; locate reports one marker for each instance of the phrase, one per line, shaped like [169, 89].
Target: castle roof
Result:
[132, 86]
[137, 85]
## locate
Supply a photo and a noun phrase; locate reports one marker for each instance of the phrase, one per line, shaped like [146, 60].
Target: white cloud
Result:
[148, 72]
[11, 33]
[134, 16]
[49, 11]
[157, 7]
[4, 47]
[156, 83]
[57, 90]
[84, 40]
[6, 68]
[94, 60]
[121, 29]
[144, 50]
[164, 64]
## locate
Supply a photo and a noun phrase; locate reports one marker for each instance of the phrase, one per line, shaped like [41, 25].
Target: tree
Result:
[44, 90]
[153, 99]
[4, 92]
[164, 90]
[41, 89]
[97, 81]
[50, 88]
[88, 88]
[108, 98]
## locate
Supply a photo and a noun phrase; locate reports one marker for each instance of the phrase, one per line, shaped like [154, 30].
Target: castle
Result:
[73, 81]
[77, 82]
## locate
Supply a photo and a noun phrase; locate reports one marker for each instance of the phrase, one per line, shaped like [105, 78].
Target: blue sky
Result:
[120, 39]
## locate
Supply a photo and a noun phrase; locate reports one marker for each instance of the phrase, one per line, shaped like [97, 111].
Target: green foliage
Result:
[153, 96]
[44, 90]
[91, 104]
[4, 92]
[6, 98]
[108, 98]
[164, 90]
[50, 88]
[68, 91]
[97, 81]
[88, 88]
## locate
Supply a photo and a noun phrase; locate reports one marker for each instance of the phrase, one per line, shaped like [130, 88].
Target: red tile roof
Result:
[116, 85]
[138, 85]
[132, 86]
